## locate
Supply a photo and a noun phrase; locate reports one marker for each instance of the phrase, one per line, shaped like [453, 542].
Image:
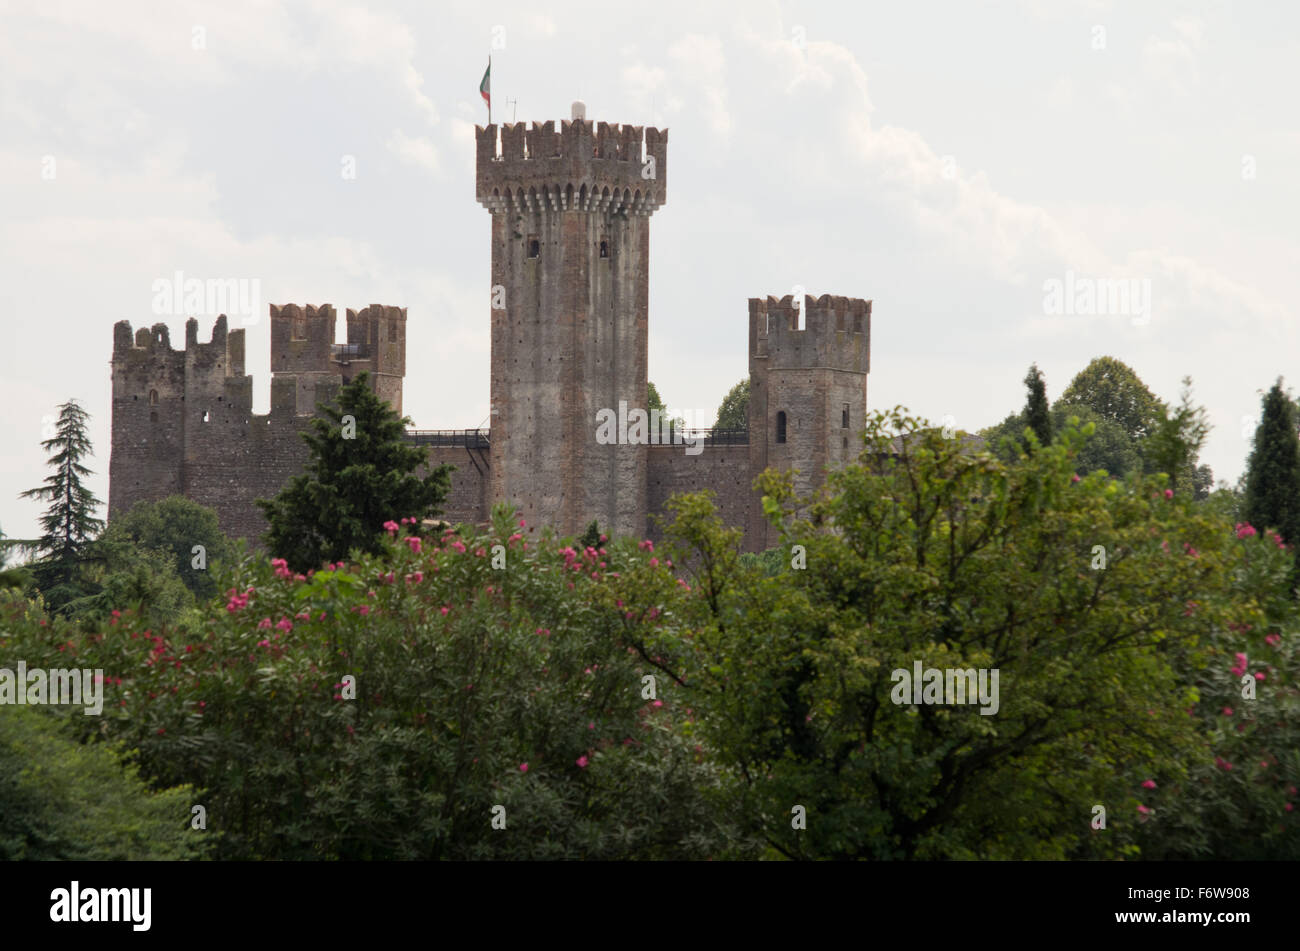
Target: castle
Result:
[569, 316]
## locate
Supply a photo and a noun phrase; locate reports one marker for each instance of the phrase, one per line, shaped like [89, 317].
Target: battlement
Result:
[836, 332]
[585, 166]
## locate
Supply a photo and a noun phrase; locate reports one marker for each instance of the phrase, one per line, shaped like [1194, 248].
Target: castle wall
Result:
[183, 420]
[724, 469]
[468, 500]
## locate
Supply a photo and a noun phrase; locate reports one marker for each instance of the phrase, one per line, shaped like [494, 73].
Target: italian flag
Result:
[485, 87]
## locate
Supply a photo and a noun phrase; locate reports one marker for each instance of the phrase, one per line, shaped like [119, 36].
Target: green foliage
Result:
[1115, 392]
[653, 402]
[60, 800]
[1036, 413]
[125, 575]
[69, 523]
[1176, 442]
[733, 412]
[1273, 472]
[175, 525]
[464, 672]
[956, 560]
[361, 473]
[591, 537]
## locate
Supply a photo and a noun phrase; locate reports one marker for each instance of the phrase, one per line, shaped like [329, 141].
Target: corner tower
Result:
[807, 390]
[570, 300]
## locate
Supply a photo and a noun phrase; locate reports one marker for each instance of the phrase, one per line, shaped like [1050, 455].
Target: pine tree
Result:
[1037, 416]
[69, 524]
[360, 474]
[1273, 473]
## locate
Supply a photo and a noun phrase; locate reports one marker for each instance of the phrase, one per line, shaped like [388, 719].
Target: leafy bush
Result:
[60, 800]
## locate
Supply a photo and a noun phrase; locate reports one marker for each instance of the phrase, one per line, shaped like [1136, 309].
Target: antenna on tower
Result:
[513, 104]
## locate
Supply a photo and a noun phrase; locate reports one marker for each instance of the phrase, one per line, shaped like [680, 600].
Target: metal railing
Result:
[469, 438]
[478, 438]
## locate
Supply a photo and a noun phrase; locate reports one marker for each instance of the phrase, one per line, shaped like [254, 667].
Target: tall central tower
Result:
[570, 299]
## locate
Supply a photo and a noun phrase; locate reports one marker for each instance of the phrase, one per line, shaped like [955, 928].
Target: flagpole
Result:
[489, 88]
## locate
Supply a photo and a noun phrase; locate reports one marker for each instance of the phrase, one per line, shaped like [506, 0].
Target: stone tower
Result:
[570, 298]
[807, 390]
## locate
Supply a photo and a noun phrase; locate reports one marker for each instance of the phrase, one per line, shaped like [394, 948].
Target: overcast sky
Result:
[945, 160]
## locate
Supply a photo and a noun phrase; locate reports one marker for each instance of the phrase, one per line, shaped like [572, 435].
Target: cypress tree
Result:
[1037, 416]
[1273, 473]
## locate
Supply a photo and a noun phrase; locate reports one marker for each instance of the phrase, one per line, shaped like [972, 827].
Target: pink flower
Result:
[523, 767]
[264, 623]
[363, 609]
[1169, 493]
[443, 609]
[1259, 675]
[418, 576]
[1244, 530]
[582, 762]
[515, 537]
[285, 625]
[654, 562]
[1075, 477]
[522, 523]
[391, 527]
[263, 643]
[1222, 763]
[1227, 711]
[591, 726]
[1149, 784]
[1273, 640]
[1288, 807]
[1144, 810]
[657, 703]
[415, 543]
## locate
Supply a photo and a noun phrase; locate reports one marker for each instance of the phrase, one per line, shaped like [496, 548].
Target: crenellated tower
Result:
[570, 304]
[807, 390]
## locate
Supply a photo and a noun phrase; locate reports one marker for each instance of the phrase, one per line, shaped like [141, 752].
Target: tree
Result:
[62, 800]
[938, 556]
[1115, 392]
[733, 413]
[1176, 442]
[653, 402]
[360, 475]
[591, 537]
[1037, 416]
[69, 523]
[176, 525]
[1273, 472]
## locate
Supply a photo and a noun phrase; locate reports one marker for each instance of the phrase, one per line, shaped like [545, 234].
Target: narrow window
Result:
[534, 246]
[844, 417]
[300, 328]
[780, 426]
[604, 247]
[205, 416]
[153, 397]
